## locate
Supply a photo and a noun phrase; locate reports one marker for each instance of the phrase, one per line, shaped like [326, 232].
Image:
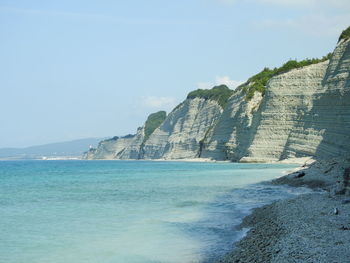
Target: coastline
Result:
[309, 228]
[301, 161]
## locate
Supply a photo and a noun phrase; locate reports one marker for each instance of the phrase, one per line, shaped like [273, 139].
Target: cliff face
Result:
[181, 133]
[109, 149]
[262, 128]
[232, 134]
[304, 112]
[332, 108]
[128, 147]
[314, 118]
[179, 136]
[133, 148]
[288, 98]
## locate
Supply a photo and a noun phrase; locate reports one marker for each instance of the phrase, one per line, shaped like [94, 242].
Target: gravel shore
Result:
[309, 228]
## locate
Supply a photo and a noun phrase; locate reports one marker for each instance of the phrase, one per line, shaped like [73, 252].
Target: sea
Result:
[129, 211]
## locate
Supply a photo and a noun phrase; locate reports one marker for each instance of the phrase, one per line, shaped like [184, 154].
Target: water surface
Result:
[128, 211]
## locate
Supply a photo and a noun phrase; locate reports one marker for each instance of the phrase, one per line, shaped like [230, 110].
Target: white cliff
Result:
[133, 149]
[329, 115]
[183, 130]
[130, 146]
[303, 112]
[288, 98]
[109, 149]
[232, 134]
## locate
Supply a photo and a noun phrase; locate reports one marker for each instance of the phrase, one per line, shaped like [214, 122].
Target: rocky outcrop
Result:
[182, 132]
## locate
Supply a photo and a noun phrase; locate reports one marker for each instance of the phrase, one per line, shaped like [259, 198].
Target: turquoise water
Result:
[127, 212]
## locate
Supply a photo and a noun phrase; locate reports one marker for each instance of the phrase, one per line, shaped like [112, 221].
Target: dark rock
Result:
[346, 201]
[300, 174]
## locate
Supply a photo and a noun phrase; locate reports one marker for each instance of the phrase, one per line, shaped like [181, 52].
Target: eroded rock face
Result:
[324, 127]
[333, 106]
[261, 129]
[125, 148]
[233, 133]
[182, 132]
[304, 112]
[109, 149]
[288, 98]
[132, 149]
[179, 136]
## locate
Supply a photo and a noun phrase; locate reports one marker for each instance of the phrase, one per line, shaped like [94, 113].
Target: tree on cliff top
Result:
[345, 34]
[259, 81]
[153, 121]
[221, 94]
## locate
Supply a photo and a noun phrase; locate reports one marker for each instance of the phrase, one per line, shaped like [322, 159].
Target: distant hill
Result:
[61, 149]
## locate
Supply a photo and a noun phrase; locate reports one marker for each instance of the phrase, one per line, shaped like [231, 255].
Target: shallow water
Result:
[128, 211]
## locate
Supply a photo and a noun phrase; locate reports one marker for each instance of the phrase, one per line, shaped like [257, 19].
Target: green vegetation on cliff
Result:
[221, 94]
[345, 34]
[111, 139]
[115, 138]
[259, 81]
[153, 122]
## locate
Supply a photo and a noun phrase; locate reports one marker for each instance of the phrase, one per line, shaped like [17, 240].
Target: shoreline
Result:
[301, 160]
[311, 227]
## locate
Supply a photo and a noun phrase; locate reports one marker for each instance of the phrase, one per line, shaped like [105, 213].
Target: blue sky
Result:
[76, 69]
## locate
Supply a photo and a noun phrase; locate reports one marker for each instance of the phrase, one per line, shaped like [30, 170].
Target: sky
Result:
[73, 69]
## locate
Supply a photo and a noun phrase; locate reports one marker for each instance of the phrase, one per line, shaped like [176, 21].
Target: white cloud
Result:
[159, 102]
[231, 83]
[220, 80]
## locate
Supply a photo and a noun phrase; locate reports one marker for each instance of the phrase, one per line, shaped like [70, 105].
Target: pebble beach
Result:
[309, 228]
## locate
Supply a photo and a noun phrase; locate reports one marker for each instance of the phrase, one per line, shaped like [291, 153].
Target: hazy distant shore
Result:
[309, 228]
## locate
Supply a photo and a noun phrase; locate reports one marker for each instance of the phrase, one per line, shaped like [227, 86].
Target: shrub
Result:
[345, 34]
[153, 121]
[221, 94]
[259, 81]
[115, 138]
[128, 136]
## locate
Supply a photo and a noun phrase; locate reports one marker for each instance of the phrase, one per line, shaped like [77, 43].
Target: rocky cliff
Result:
[127, 147]
[276, 114]
[288, 98]
[110, 148]
[304, 112]
[181, 133]
[234, 130]
[330, 112]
